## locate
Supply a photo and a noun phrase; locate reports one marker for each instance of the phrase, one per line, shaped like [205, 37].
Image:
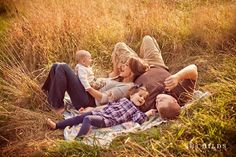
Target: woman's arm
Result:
[116, 89]
[119, 90]
[89, 109]
[95, 93]
[189, 72]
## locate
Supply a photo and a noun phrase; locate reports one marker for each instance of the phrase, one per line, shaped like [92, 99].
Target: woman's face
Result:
[125, 70]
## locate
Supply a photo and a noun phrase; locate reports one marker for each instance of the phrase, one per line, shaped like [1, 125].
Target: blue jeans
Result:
[61, 79]
[87, 119]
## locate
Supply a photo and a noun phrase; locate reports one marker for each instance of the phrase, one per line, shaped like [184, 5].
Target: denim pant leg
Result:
[47, 84]
[49, 87]
[72, 121]
[91, 120]
[63, 79]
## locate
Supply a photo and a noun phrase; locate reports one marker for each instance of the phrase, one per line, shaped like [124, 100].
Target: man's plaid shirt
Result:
[120, 111]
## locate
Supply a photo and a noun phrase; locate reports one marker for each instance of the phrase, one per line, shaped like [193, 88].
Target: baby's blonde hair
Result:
[81, 54]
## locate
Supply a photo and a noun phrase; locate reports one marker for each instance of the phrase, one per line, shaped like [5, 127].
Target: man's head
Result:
[138, 95]
[167, 106]
[84, 57]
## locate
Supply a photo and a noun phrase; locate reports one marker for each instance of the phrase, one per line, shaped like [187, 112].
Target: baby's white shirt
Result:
[85, 75]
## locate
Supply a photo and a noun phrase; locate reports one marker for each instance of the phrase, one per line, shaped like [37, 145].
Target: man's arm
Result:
[189, 72]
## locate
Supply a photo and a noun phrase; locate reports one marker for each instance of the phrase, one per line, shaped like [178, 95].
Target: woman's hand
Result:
[171, 82]
[110, 97]
[87, 109]
[95, 93]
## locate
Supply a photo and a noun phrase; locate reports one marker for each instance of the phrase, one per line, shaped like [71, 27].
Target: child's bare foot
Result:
[51, 124]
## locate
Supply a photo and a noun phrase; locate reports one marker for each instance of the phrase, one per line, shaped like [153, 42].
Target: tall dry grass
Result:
[49, 31]
[21, 87]
[23, 131]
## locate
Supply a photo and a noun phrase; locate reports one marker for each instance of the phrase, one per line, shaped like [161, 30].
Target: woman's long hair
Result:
[137, 66]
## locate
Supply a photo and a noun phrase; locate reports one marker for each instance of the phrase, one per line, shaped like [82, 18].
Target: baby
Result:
[84, 71]
[114, 113]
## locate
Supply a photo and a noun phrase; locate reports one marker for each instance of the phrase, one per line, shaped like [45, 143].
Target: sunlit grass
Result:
[53, 30]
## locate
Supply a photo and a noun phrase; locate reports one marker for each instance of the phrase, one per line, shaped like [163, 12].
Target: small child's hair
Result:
[80, 54]
[135, 89]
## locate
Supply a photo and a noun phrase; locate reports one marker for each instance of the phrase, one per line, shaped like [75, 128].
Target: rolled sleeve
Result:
[104, 98]
[139, 117]
[117, 93]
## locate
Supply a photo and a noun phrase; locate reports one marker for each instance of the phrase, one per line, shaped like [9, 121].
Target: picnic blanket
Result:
[104, 136]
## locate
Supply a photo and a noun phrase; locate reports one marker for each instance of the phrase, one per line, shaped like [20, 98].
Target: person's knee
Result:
[54, 65]
[61, 66]
[119, 45]
[150, 43]
[147, 37]
[58, 63]
[87, 120]
[195, 71]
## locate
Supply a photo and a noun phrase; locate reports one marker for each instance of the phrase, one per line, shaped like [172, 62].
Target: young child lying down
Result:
[114, 113]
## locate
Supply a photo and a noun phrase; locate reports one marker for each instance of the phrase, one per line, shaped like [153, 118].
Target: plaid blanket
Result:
[104, 136]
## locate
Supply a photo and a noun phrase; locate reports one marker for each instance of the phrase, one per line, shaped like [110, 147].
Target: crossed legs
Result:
[120, 55]
[149, 52]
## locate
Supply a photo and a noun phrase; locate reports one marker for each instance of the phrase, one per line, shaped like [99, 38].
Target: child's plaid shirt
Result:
[120, 111]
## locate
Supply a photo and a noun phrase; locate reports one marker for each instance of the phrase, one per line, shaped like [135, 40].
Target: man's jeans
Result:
[61, 79]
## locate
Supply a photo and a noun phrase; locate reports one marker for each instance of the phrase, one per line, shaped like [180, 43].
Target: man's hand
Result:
[171, 82]
[151, 112]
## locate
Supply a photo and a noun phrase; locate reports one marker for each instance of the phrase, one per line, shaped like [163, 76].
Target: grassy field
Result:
[36, 33]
